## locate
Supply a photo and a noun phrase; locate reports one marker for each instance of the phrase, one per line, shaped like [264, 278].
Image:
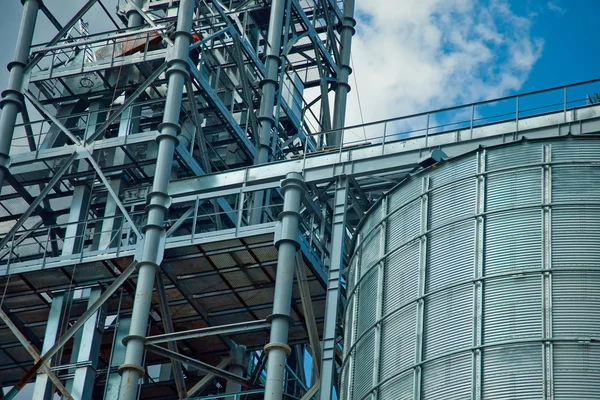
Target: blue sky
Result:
[429, 54]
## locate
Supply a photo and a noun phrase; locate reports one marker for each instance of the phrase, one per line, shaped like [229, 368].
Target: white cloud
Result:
[418, 55]
[552, 6]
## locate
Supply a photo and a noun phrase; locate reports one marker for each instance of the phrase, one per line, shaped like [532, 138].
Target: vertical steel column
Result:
[343, 73]
[338, 233]
[113, 382]
[158, 202]
[57, 322]
[88, 350]
[287, 244]
[12, 97]
[269, 86]
[74, 234]
[238, 367]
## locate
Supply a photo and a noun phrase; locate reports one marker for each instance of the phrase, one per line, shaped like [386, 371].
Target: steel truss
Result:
[180, 196]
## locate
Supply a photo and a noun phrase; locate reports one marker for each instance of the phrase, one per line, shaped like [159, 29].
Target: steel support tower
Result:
[177, 195]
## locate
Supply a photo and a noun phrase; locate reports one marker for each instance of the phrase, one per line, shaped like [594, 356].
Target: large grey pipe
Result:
[158, 200]
[269, 86]
[12, 98]
[343, 73]
[287, 246]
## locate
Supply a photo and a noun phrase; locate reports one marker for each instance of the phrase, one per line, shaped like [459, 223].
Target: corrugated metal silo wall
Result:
[480, 279]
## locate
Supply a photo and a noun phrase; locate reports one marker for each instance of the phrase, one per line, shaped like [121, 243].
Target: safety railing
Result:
[467, 117]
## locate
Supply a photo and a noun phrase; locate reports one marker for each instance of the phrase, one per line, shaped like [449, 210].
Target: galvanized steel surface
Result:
[480, 279]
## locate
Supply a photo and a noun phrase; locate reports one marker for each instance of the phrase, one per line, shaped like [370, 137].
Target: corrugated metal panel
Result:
[401, 277]
[575, 300]
[367, 302]
[448, 378]
[575, 237]
[451, 255]
[522, 238]
[462, 168]
[513, 189]
[400, 388]
[512, 156]
[403, 225]
[576, 371]
[370, 251]
[398, 338]
[513, 241]
[363, 367]
[567, 185]
[513, 373]
[512, 308]
[448, 321]
[451, 202]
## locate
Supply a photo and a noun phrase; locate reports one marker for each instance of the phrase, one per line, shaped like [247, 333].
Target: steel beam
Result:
[202, 383]
[168, 327]
[34, 353]
[287, 245]
[333, 287]
[231, 329]
[309, 314]
[87, 350]
[161, 351]
[73, 329]
[12, 98]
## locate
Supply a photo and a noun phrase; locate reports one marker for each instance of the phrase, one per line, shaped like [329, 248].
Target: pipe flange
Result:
[288, 212]
[177, 65]
[127, 338]
[15, 63]
[292, 183]
[275, 345]
[261, 118]
[268, 80]
[284, 240]
[158, 198]
[182, 33]
[141, 264]
[271, 317]
[12, 96]
[148, 226]
[124, 367]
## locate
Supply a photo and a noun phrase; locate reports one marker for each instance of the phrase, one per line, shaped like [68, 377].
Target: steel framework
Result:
[177, 195]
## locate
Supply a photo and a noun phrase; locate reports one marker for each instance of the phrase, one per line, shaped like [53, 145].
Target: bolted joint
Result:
[275, 345]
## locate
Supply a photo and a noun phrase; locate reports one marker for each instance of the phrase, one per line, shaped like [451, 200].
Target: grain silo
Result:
[480, 279]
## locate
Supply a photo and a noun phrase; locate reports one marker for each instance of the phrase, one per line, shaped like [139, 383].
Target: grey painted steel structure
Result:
[12, 97]
[480, 279]
[158, 204]
[287, 245]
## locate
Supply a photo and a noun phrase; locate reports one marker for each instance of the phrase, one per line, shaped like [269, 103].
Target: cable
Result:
[362, 120]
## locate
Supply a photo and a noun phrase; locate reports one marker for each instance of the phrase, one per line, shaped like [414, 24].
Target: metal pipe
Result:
[134, 19]
[158, 202]
[343, 73]
[237, 367]
[269, 86]
[12, 98]
[277, 349]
